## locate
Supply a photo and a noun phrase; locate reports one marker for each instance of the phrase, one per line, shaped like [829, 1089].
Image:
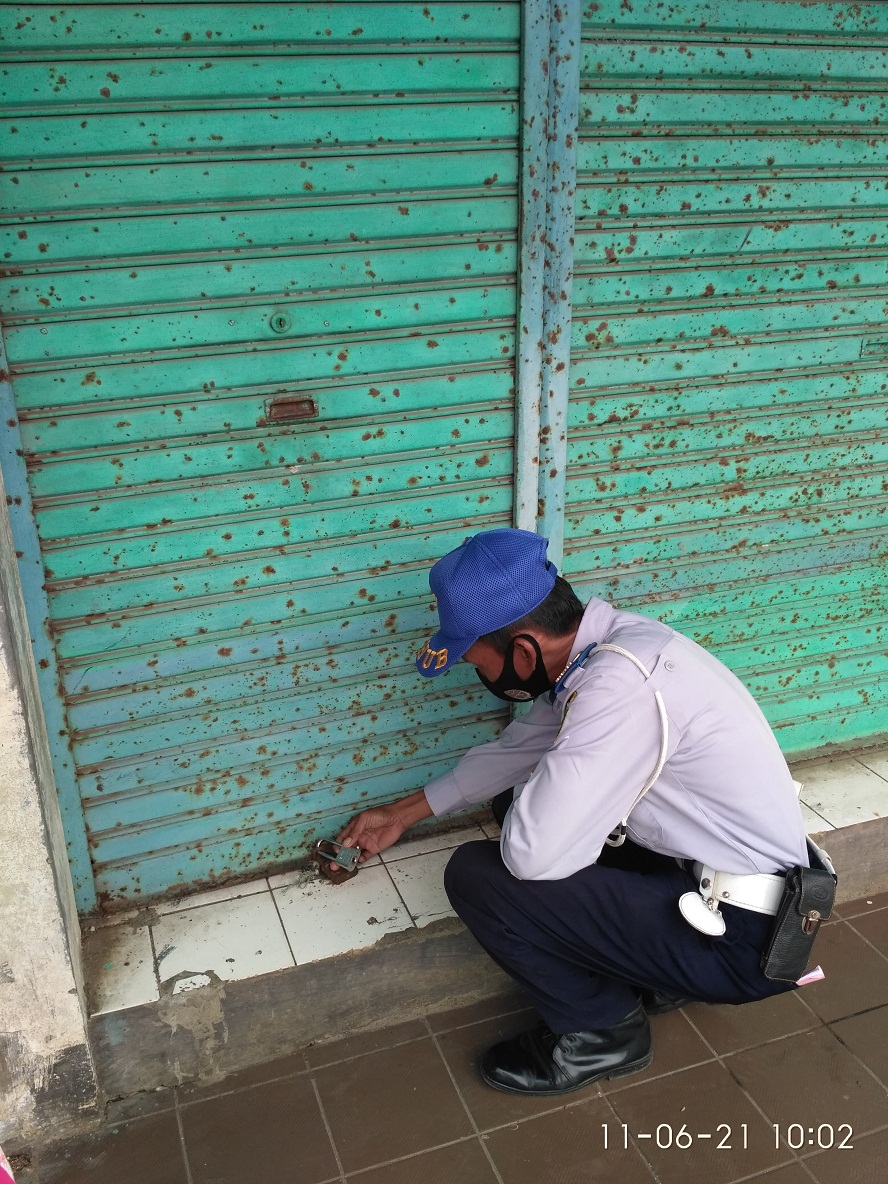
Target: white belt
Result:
[760, 893]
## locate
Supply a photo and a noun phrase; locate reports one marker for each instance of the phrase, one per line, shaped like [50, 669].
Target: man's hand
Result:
[377, 829]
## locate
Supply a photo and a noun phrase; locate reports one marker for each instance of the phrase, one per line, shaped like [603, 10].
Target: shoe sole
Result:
[625, 1071]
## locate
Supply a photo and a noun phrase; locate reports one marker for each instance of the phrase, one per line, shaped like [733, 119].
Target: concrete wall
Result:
[47, 1081]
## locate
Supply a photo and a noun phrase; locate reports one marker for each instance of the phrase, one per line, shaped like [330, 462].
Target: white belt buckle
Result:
[700, 909]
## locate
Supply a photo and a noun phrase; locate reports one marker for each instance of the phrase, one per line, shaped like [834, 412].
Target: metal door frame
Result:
[25, 565]
[551, 52]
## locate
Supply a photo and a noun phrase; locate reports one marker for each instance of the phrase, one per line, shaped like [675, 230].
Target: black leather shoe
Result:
[656, 1003]
[539, 1062]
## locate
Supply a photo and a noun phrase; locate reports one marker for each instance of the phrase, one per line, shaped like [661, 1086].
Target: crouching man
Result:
[648, 816]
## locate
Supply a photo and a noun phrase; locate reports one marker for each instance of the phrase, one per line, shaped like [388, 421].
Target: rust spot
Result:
[224, 652]
[481, 461]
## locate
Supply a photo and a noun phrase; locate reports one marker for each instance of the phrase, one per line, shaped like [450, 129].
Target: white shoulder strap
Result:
[618, 837]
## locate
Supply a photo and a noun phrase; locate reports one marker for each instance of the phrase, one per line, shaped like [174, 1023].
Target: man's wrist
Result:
[414, 808]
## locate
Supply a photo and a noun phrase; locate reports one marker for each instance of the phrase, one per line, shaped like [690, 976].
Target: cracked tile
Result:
[323, 919]
[420, 880]
[234, 939]
[119, 968]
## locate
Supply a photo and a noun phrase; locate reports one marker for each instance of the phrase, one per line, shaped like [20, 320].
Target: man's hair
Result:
[560, 613]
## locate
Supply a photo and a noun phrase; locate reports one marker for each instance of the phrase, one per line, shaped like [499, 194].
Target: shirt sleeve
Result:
[588, 779]
[487, 769]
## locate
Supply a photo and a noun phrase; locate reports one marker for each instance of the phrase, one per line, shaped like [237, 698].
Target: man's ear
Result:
[524, 657]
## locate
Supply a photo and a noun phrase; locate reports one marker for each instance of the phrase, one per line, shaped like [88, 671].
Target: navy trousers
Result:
[583, 947]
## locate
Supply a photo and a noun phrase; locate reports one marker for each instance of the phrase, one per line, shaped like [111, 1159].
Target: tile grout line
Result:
[807, 1005]
[614, 1094]
[317, 1094]
[871, 912]
[821, 816]
[242, 1089]
[795, 1158]
[766, 1173]
[877, 1130]
[481, 1141]
[826, 1025]
[863, 936]
[659, 1076]
[387, 1163]
[283, 926]
[744, 1048]
[400, 895]
[720, 1058]
[852, 1053]
[415, 1039]
[641, 1155]
[188, 1176]
[863, 765]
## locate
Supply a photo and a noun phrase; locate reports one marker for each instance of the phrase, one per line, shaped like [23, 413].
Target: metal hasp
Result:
[549, 125]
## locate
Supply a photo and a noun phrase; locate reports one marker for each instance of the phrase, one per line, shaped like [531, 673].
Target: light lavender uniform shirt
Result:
[724, 797]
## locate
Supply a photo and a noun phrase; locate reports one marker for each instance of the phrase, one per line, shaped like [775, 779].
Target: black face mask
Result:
[514, 689]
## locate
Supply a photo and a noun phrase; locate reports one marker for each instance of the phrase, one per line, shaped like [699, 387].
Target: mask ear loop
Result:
[617, 837]
[531, 688]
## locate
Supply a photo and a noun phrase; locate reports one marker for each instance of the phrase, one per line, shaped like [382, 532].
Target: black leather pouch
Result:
[808, 898]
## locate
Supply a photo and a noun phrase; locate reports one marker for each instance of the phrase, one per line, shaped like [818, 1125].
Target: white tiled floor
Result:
[844, 790]
[322, 920]
[236, 938]
[119, 967]
[296, 918]
[267, 924]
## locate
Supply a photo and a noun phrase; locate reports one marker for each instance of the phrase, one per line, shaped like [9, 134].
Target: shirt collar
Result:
[595, 625]
[594, 628]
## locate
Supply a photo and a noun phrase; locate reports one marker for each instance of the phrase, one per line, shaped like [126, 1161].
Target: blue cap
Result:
[493, 579]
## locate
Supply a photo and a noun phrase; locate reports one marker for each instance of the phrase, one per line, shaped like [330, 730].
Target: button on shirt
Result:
[724, 796]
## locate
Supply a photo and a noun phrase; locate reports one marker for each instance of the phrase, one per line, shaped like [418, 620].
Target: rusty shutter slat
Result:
[216, 212]
[728, 461]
